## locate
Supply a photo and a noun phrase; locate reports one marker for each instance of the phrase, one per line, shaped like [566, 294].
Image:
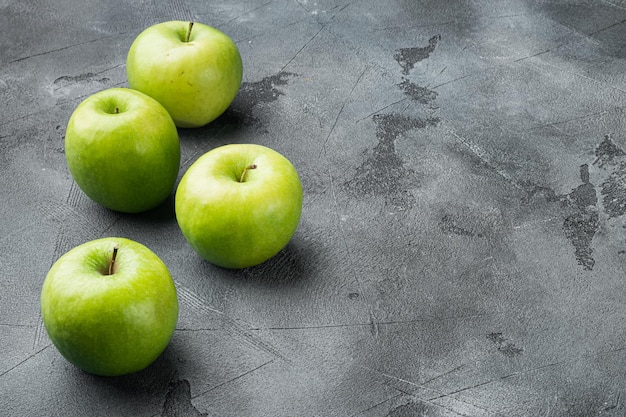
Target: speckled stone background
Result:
[462, 246]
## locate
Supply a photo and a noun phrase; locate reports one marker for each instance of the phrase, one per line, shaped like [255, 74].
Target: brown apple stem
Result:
[189, 31]
[112, 263]
[117, 110]
[243, 174]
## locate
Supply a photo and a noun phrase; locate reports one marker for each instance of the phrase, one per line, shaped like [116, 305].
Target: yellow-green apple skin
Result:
[194, 71]
[122, 149]
[238, 205]
[115, 324]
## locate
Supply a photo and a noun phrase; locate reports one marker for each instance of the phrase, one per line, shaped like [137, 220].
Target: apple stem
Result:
[117, 110]
[243, 174]
[112, 263]
[189, 31]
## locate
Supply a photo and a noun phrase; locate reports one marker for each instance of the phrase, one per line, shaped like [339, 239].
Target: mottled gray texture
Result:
[462, 246]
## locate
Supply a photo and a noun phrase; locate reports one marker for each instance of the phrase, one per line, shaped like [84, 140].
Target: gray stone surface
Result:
[462, 245]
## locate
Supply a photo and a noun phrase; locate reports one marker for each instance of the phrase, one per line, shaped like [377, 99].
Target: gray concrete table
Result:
[462, 247]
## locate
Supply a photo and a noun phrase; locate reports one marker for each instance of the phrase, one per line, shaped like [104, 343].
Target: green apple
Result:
[192, 69]
[109, 306]
[122, 149]
[238, 205]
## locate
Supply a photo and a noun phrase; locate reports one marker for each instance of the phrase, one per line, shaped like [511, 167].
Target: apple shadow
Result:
[163, 213]
[294, 264]
[139, 387]
[224, 128]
